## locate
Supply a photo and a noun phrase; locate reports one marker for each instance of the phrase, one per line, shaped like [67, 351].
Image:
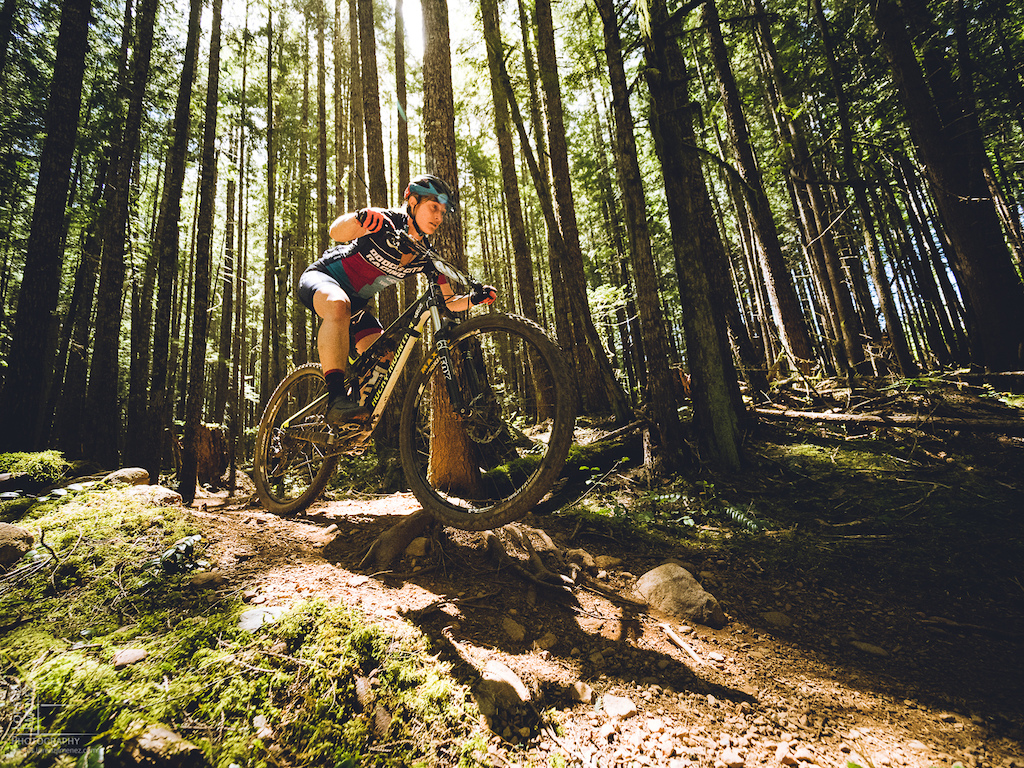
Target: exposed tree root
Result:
[390, 545]
[533, 569]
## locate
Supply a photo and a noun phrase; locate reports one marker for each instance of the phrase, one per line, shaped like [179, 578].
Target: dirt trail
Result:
[799, 675]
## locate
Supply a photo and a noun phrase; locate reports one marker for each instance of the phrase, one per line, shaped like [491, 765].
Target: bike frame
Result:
[376, 372]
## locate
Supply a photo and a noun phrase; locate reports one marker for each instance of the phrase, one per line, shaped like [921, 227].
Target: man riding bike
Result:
[339, 285]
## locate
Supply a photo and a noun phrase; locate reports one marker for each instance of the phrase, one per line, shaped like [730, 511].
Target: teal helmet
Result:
[432, 186]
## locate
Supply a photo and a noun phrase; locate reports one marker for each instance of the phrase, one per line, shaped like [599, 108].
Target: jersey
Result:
[372, 262]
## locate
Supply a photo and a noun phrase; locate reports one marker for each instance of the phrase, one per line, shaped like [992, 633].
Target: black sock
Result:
[335, 379]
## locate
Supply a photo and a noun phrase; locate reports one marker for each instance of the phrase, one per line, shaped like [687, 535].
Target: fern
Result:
[742, 518]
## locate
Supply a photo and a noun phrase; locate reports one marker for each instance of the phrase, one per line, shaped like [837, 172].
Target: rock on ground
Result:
[15, 541]
[673, 590]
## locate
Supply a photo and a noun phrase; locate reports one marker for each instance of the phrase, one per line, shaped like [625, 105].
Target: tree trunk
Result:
[598, 387]
[810, 204]
[777, 279]
[268, 344]
[166, 245]
[69, 426]
[660, 397]
[31, 356]
[894, 324]
[449, 444]
[323, 238]
[204, 248]
[137, 433]
[227, 308]
[340, 134]
[506, 154]
[716, 421]
[301, 256]
[402, 143]
[236, 414]
[357, 179]
[104, 375]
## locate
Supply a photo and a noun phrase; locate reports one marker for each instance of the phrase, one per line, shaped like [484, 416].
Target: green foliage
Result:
[180, 556]
[45, 467]
[687, 506]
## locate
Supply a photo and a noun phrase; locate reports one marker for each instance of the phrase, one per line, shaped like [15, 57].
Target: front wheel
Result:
[489, 465]
[291, 465]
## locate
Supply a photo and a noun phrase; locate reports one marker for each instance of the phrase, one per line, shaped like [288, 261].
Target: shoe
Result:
[344, 408]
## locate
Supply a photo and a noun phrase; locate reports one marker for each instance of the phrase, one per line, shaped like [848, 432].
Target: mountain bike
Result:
[486, 422]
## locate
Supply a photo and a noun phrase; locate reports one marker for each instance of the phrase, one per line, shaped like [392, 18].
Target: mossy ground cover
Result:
[288, 692]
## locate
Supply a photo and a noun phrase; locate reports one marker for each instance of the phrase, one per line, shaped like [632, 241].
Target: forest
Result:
[740, 192]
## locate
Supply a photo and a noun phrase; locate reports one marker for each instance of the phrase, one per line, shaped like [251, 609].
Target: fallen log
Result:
[1005, 426]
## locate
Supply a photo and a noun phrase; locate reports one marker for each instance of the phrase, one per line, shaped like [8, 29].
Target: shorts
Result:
[363, 322]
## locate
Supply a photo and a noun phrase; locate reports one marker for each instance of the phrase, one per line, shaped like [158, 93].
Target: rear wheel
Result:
[489, 466]
[291, 465]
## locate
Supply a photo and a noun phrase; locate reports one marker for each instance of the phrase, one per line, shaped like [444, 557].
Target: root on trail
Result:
[390, 545]
[530, 565]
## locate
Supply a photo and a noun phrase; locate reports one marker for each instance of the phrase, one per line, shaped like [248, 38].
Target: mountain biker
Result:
[339, 285]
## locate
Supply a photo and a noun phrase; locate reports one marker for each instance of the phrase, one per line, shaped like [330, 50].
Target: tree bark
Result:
[371, 107]
[777, 279]
[69, 426]
[204, 248]
[268, 339]
[894, 324]
[301, 256]
[357, 179]
[323, 238]
[104, 374]
[660, 396]
[810, 204]
[449, 443]
[598, 388]
[523, 260]
[30, 360]
[716, 421]
[166, 245]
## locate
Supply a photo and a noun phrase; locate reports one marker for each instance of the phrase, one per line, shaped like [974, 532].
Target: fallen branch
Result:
[681, 643]
[1005, 426]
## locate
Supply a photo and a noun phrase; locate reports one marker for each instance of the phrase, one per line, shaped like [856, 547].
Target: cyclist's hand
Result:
[372, 219]
[483, 294]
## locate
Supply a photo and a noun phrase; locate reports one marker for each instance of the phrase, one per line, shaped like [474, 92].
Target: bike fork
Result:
[447, 364]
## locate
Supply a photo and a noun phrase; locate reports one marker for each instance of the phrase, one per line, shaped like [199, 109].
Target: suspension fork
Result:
[448, 365]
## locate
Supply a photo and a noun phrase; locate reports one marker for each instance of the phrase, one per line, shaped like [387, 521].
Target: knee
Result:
[335, 308]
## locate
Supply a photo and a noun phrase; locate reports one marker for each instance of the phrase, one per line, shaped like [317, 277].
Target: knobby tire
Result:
[516, 442]
[290, 472]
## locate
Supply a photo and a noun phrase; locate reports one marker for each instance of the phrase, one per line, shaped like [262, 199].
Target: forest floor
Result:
[874, 612]
[870, 577]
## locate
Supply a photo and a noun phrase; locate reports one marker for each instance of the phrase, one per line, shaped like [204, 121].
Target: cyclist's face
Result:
[429, 215]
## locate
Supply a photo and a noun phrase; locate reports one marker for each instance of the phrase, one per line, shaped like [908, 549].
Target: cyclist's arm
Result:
[349, 226]
[453, 302]
[462, 302]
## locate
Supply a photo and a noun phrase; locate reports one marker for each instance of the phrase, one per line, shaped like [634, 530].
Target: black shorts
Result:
[363, 322]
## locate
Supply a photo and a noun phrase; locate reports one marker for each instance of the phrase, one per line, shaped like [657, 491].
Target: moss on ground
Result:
[42, 467]
[286, 693]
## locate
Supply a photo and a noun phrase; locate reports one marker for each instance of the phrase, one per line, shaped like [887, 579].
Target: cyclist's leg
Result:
[366, 329]
[331, 302]
[334, 307]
